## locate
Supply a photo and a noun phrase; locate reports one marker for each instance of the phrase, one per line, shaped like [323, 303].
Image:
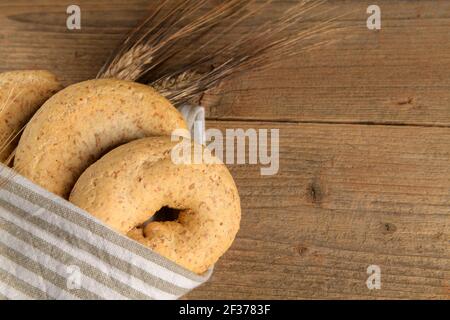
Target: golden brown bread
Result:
[21, 95]
[79, 124]
[129, 184]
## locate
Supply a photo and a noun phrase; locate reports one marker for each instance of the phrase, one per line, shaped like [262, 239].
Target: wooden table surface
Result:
[364, 146]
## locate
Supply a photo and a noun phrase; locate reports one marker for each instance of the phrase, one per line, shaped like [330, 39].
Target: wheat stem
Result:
[148, 52]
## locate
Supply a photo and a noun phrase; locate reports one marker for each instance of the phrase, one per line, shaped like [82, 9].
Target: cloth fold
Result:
[195, 119]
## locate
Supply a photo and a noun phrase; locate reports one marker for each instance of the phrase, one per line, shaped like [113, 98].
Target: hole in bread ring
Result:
[164, 214]
[130, 184]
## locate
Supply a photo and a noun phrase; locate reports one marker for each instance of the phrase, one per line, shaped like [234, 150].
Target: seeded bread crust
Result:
[129, 184]
[75, 127]
[21, 95]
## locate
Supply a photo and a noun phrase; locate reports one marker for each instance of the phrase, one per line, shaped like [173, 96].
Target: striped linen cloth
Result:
[50, 249]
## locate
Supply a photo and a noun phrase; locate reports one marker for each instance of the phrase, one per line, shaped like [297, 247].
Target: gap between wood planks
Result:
[356, 123]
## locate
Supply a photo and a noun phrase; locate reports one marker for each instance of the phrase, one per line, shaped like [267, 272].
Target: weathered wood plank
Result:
[397, 75]
[346, 197]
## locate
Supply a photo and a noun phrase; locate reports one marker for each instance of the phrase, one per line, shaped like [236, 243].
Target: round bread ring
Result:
[79, 124]
[21, 95]
[131, 183]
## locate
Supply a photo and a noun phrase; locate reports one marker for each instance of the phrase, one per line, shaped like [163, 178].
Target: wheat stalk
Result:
[146, 53]
[13, 136]
[169, 84]
[160, 32]
[130, 65]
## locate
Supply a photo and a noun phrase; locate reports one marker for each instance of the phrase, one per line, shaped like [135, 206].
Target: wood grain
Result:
[346, 197]
[397, 75]
[364, 176]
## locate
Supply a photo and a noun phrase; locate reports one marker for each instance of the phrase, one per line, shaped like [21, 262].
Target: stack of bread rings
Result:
[105, 145]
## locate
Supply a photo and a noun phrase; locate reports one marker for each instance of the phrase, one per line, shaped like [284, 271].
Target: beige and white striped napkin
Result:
[50, 249]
